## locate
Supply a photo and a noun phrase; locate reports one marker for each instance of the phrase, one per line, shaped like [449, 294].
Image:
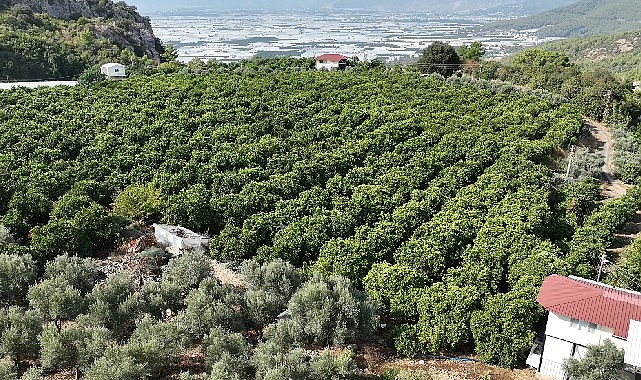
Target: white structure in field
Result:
[583, 313]
[113, 71]
[331, 62]
[177, 239]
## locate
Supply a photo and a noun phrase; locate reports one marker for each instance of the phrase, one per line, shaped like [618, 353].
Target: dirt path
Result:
[611, 188]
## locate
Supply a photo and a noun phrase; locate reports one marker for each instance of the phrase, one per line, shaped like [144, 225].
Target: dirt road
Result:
[611, 188]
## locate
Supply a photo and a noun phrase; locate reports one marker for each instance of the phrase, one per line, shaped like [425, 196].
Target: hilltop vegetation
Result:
[581, 19]
[41, 46]
[617, 52]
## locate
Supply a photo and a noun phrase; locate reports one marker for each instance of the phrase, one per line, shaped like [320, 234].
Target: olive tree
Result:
[600, 362]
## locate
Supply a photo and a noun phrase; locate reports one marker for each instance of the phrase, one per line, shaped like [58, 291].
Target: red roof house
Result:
[592, 302]
[584, 313]
[331, 62]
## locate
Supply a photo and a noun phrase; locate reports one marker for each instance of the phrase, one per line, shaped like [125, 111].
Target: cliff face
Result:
[122, 24]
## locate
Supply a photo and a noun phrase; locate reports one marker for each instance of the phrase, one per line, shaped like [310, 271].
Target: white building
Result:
[582, 313]
[178, 239]
[113, 71]
[331, 62]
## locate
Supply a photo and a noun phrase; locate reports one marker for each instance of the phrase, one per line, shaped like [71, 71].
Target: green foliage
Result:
[385, 282]
[212, 305]
[81, 273]
[445, 312]
[109, 306]
[139, 202]
[503, 328]
[187, 270]
[600, 362]
[331, 311]
[56, 300]
[271, 286]
[77, 345]
[19, 331]
[17, 273]
[440, 58]
[474, 52]
[226, 353]
[8, 369]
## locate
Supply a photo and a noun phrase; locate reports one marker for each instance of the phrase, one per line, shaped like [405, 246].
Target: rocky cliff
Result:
[122, 25]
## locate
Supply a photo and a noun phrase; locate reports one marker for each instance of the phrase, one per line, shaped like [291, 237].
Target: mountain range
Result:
[510, 7]
[582, 18]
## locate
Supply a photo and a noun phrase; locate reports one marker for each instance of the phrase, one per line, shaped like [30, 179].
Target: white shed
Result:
[178, 239]
[113, 71]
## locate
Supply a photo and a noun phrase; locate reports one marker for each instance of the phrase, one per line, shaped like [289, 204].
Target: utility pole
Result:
[567, 172]
[604, 260]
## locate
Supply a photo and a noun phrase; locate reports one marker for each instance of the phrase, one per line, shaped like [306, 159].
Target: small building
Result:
[582, 313]
[177, 239]
[331, 62]
[113, 71]
[636, 86]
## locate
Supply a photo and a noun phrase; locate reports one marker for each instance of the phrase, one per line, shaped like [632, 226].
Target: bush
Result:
[212, 305]
[59, 237]
[5, 236]
[108, 306]
[17, 273]
[386, 281]
[503, 329]
[600, 362]
[156, 298]
[226, 352]
[8, 369]
[56, 300]
[271, 286]
[77, 345]
[331, 311]
[187, 270]
[139, 202]
[80, 273]
[19, 331]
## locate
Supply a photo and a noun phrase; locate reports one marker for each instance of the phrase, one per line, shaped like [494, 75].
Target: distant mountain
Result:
[583, 18]
[511, 7]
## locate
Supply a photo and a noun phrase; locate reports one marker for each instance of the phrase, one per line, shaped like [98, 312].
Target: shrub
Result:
[226, 352]
[331, 311]
[17, 273]
[503, 328]
[5, 236]
[77, 345]
[139, 202]
[108, 306]
[19, 331]
[212, 305]
[56, 300]
[271, 286]
[8, 369]
[188, 270]
[600, 362]
[386, 281]
[156, 298]
[80, 273]
[59, 237]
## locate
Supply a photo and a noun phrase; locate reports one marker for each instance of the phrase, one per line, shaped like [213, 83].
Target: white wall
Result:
[326, 65]
[565, 337]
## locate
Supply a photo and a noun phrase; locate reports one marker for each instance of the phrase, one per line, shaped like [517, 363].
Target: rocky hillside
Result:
[117, 22]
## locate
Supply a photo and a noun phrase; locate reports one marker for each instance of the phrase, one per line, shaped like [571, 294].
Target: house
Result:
[177, 239]
[584, 312]
[636, 86]
[113, 71]
[331, 62]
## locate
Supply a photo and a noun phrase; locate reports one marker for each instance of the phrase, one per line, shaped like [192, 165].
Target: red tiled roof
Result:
[331, 57]
[592, 302]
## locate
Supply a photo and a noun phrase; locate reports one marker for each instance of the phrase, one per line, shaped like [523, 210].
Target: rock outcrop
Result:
[122, 25]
